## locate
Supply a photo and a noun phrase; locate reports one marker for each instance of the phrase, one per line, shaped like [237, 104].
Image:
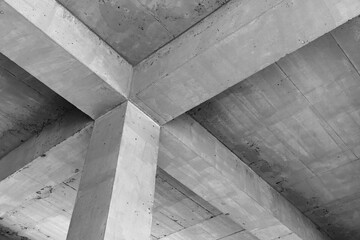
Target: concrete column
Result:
[117, 186]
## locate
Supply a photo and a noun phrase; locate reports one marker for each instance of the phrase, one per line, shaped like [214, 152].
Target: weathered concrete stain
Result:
[44, 192]
[7, 232]
[339, 218]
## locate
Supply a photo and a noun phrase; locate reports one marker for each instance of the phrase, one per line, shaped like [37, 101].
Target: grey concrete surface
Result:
[189, 153]
[230, 45]
[43, 38]
[296, 124]
[26, 106]
[137, 28]
[117, 185]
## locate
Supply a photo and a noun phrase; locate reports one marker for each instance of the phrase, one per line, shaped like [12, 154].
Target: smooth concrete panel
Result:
[116, 190]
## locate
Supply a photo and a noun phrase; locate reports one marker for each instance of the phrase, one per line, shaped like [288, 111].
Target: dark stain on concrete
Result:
[340, 219]
[7, 232]
[44, 192]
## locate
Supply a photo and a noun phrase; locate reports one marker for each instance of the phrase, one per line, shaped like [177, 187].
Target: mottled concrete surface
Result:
[297, 124]
[136, 28]
[26, 106]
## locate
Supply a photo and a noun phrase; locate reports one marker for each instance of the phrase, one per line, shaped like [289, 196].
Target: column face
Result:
[118, 181]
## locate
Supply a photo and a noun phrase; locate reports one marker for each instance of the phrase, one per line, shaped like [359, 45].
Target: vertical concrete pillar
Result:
[118, 181]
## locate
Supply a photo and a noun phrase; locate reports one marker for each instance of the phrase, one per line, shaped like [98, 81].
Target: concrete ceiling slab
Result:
[136, 28]
[297, 124]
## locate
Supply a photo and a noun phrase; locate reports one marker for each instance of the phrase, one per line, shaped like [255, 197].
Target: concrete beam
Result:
[117, 186]
[238, 40]
[199, 161]
[37, 146]
[44, 161]
[46, 40]
[224, 226]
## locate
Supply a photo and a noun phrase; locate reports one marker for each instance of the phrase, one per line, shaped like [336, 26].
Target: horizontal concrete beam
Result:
[38, 145]
[236, 41]
[46, 40]
[199, 161]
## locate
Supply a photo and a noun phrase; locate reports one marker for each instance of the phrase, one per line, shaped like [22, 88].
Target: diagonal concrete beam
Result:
[46, 159]
[199, 161]
[46, 40]
[38, 145]
[236, 41]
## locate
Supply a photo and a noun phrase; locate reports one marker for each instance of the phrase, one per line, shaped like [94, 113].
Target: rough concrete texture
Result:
[30, 198]
[26, 106]
[198, 160]
[315, 143]
[137, 28]
[117, 186]
[47, 41]
[37, 200]
[35, 205]
[296, 124]
[177, 213]
[231, 44]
